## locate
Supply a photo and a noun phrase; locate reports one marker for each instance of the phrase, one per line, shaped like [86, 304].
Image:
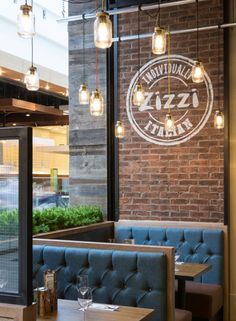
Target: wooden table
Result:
[187, 272]
[68, 311]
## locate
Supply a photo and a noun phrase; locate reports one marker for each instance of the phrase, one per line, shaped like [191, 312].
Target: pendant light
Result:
[138, 94]
[169, 120]
[26, 21]
[198, 68]
[83, 91]
[96, 99]
[102, 29]
[159, 36]
[31, 77]
[119, 130]
[219, 115]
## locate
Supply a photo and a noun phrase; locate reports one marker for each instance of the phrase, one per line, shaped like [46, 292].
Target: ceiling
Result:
[52, 99]
[18, 77]
[127, 3]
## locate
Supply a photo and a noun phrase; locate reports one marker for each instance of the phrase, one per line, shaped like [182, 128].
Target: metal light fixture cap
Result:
[102, 15]
[96, 93]
[83, 87]
[32, 70]
[198, 63]
[168, 116]
[159, 30]
[139, 87]
[25, 8]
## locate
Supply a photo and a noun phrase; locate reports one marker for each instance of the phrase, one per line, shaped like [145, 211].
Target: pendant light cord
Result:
[197, 30]
[97, 68]
[32, 51]
[102, 5]
[139, 63]
[218, 67]
[158, 19]
[96, 54]
[168, 71]
[84, 48]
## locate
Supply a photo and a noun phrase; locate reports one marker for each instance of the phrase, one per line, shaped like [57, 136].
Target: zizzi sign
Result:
[190, 104]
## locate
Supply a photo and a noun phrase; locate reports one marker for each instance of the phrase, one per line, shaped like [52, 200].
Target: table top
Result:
[68, 310]
[190, 271]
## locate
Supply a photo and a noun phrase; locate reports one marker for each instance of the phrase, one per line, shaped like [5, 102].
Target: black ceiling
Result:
[12, 89]
[127, 3]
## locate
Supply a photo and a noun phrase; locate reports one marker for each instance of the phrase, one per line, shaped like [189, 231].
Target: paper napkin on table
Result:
[105, 307]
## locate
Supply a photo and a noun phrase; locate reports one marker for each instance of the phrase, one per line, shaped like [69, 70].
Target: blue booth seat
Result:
[193, 245]
[117, 277]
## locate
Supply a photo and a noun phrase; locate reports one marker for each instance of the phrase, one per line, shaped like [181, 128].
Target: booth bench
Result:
[193, 243]
[139, 276]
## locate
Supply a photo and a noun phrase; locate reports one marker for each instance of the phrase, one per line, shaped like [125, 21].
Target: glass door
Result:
[16, 215]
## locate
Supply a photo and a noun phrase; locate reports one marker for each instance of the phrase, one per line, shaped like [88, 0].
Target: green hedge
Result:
[8, 223]
[52, 219]
[57, 218]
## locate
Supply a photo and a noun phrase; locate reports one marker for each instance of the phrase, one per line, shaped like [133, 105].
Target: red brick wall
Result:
[182, 182]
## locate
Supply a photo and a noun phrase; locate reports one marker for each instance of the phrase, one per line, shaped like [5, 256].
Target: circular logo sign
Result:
[190, 104]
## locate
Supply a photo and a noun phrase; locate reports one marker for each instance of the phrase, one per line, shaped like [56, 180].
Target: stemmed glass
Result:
[3, 278]
[177, 256]
[84, 298]
[84, 293]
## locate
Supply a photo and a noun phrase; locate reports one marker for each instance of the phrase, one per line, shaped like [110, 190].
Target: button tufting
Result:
[150, 290]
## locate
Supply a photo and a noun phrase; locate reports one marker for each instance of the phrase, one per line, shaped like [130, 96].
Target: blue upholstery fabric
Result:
[116, 277]
[193, 245]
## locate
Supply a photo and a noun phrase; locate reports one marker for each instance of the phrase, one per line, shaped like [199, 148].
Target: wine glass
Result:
[177, 256]
[3, 278]
[84, 298]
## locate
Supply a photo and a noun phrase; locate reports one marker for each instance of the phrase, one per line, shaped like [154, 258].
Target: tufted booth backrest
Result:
[116, 277]
[193, 245]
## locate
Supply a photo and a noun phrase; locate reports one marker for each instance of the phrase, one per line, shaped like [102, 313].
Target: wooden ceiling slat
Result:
[21, 106]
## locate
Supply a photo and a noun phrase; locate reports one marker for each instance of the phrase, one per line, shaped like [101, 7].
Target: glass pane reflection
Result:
[9, 205]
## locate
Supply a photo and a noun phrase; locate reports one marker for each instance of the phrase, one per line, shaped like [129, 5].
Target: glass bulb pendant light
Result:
[26, 22]
[198, 72]
[32, 79]
[138, 95]
[83, 91]
[169, 120]
[198, 68]
[83, 95]
[96, 99]
[169, 123]
[96, 103]
[219, 119]
[119, 130]
[102, 29]
[159, 36]
[159, 41]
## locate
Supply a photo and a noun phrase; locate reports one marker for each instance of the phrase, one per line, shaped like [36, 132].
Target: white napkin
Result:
[106, 307]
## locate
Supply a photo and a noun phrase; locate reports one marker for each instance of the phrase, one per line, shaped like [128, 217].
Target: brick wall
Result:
[182, 182]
